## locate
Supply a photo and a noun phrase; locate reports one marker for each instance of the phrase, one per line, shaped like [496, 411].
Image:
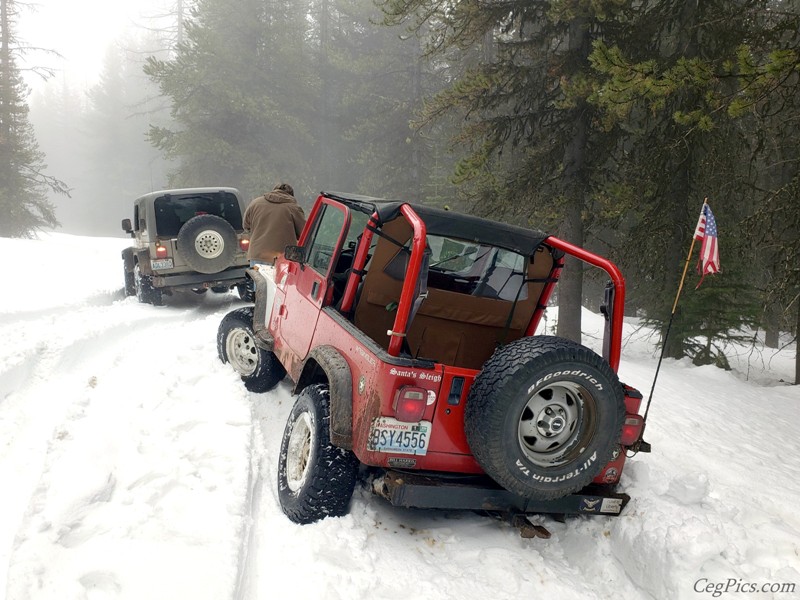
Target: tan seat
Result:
[450, 328]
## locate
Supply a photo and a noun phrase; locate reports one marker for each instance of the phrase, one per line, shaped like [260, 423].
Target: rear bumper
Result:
[415, 490]
[206, 280]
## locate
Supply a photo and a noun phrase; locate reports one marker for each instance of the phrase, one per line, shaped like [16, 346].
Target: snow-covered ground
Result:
[134, 465]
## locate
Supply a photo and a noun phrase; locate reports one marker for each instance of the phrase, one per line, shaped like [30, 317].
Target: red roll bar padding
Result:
[359, 260]
[615, 346]
[398, 331]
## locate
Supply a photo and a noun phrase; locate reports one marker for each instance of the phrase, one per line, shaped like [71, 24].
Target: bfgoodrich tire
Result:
[207, 243]
[315, 478]
[544, 416]
[260, 369]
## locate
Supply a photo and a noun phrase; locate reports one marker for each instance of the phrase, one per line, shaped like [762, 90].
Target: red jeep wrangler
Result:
[409, 334]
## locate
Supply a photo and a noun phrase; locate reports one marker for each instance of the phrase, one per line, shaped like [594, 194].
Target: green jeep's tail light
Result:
[410, 403]
[244, 244]
[631, 430]
[161, 251]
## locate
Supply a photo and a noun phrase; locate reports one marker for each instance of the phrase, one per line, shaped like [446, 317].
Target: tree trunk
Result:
[5, 72]
[570, 288]
[416, 101]
[771, 337]
[797, 349]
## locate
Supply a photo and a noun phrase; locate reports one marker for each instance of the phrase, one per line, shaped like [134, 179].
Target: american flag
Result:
[709, 248]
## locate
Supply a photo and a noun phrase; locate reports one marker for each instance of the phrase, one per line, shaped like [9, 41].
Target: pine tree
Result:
[24, 206]
[240, 88]
[537, 153]
[375, 84]
[678, 93]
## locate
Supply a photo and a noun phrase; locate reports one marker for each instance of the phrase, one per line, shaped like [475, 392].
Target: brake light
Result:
[631, 430]
[410, 403]
[161, 251]
[244, 244]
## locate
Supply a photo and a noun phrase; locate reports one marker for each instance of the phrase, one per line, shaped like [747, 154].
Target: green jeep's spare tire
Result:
[207, 243]
[544, 416]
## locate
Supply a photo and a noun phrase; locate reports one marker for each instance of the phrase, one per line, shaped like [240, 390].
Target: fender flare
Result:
[326, 364]
[143, 260]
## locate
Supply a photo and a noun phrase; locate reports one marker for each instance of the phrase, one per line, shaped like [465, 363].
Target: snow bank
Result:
[135, 465]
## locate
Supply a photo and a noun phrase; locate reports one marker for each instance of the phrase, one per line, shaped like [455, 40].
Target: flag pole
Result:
[671, 318]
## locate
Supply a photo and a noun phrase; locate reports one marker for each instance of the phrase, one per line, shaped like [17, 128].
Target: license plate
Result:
[390, 435]
[165, 263]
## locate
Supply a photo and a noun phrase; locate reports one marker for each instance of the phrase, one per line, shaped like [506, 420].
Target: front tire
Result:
[130, 283]
[544, 416]
[315, 478]
[246, 290]
[259, 369]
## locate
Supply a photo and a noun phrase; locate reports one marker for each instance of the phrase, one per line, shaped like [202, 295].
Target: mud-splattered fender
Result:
[326, 364]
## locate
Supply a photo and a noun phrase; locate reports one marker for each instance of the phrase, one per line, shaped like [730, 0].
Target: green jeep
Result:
[186, 238]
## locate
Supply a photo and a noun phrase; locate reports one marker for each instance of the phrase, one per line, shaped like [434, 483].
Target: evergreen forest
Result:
[606, 122]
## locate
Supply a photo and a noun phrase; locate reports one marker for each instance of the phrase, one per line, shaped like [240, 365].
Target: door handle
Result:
[315, 290]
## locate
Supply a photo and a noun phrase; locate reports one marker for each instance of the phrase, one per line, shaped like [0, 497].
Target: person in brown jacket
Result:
[274, 221]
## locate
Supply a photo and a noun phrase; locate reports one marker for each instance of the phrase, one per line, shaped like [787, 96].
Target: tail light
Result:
[161, 251]
[631, 430]
[244, 244]
[410, 403]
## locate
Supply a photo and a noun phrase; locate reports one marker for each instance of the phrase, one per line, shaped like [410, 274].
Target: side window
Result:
[326, 235]
[142, 220]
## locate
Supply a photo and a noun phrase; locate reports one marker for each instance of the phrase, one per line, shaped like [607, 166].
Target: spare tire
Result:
[544, 416]
[207, 243]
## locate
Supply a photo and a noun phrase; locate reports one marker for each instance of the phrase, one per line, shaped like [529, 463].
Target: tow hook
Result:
[527, 530]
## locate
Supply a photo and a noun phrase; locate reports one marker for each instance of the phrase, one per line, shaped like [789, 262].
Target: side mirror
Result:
[126, 226]
[295, 253]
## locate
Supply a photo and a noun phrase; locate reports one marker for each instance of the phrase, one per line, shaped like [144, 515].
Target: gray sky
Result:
[80, 30]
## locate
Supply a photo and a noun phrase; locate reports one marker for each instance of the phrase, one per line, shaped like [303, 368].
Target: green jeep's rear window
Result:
[172, 211]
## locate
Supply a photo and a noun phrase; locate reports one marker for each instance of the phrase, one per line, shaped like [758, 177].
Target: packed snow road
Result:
[135, 465]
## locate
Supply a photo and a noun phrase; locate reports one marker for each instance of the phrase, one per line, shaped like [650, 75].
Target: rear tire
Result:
[544, 416]
[315, 478]
[259, 369]
[144, 289]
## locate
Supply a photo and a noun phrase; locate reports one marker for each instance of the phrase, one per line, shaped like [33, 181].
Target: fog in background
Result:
[299, 91]
[92, 115]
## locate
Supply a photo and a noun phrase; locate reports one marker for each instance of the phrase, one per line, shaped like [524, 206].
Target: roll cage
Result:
[425, 220]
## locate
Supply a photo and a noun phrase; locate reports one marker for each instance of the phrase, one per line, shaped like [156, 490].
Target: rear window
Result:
[476, 269]
[173, 210]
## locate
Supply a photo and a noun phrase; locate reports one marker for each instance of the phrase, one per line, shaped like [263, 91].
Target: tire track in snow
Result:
[51, 387]
[34, 404]
[264, 423]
